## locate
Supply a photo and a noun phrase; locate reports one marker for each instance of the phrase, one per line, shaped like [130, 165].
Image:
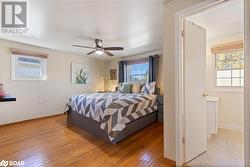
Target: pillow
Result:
[142, 85]
[126, 88]
[148, 88]
[136, 88]
[120, 87]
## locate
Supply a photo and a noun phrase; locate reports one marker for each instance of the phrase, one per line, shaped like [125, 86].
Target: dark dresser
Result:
[160, 108]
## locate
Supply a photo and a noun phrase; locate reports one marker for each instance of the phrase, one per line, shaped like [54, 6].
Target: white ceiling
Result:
[137, 25]
[222, 20]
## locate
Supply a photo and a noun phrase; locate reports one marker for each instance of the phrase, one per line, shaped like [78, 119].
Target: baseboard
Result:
[169, 162]
[29, 120]
[232, 127]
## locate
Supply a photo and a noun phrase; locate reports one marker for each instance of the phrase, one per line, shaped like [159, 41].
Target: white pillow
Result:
[120, 87]
[148, 88]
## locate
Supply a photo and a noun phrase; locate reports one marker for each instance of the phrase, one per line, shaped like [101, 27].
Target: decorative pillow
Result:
[136, 88]
[148, 88]
[120, 87]
[142, 85]
[126, 88]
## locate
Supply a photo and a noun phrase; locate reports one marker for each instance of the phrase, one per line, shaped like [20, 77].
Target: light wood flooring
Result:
[50, 143]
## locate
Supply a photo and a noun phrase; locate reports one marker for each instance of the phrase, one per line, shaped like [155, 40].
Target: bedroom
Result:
[42, 67]
[143, 28]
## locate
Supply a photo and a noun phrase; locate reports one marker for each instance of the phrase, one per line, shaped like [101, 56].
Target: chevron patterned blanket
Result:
[114, 110]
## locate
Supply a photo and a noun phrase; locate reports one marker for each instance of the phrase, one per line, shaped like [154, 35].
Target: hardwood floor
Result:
[48, 142]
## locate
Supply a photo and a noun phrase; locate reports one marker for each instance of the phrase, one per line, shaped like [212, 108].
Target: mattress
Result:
[114, 110]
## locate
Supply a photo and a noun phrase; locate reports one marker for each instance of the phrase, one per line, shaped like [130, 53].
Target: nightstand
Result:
[160, 108]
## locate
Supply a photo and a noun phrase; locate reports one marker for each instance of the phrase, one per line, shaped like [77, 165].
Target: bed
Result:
[112, 116]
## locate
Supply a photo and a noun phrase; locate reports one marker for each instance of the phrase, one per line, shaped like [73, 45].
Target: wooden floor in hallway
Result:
[49, 142]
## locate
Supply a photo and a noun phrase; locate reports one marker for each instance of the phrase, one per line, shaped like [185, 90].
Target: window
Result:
[28, 67]
[137, 70]
[229, 68]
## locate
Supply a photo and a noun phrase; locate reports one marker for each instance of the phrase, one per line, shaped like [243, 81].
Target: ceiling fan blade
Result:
[108, 53]
[113, 48]
[84, 46]
[91, 52]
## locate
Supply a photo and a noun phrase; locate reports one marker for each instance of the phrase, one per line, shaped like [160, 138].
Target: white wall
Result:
[43, 98]
[171, 9]
[231, 105]
[114, 65]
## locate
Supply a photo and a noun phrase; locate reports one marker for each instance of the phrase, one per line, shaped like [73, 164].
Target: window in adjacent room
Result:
[229, 65]
[137, 70]
[28, 67]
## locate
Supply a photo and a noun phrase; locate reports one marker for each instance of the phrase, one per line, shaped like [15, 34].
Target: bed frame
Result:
[93, 127]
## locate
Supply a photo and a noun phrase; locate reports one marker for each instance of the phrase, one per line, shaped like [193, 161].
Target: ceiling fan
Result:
[99, 49]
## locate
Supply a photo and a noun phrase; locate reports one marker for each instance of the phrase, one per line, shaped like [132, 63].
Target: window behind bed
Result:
[137, 70]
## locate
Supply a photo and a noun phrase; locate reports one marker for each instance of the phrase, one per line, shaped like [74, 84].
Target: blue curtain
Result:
[122, 65]
[153, 61]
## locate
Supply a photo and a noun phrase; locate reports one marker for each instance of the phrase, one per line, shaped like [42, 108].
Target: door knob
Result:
[204, 94]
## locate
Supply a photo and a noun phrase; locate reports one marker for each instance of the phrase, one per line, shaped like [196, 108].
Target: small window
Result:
[229, 68]
[28, 68]
[138, 71]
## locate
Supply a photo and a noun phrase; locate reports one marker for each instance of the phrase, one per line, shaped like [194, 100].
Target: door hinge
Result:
[183, 140]
[182, 33]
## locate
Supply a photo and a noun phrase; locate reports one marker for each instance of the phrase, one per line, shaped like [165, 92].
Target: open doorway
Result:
[224, 26]
[213, 74]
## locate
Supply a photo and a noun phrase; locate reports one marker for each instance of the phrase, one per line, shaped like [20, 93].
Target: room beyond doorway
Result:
[216, 82]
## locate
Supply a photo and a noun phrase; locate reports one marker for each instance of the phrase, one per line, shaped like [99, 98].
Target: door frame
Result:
[179, 75]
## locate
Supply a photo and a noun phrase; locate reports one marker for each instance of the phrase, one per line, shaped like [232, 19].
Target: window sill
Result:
[228, 90]
[28, 79]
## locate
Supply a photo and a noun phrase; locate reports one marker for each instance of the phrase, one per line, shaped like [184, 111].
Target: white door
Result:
[195, 125]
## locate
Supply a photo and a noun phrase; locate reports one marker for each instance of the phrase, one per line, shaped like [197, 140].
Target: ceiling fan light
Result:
[99, 52]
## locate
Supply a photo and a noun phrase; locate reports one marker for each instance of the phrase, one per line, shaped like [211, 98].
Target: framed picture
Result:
[80, 73]
[113, 74]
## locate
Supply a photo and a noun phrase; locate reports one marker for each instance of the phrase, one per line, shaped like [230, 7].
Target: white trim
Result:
[13, 69]
[226, 89]
[179, 90]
